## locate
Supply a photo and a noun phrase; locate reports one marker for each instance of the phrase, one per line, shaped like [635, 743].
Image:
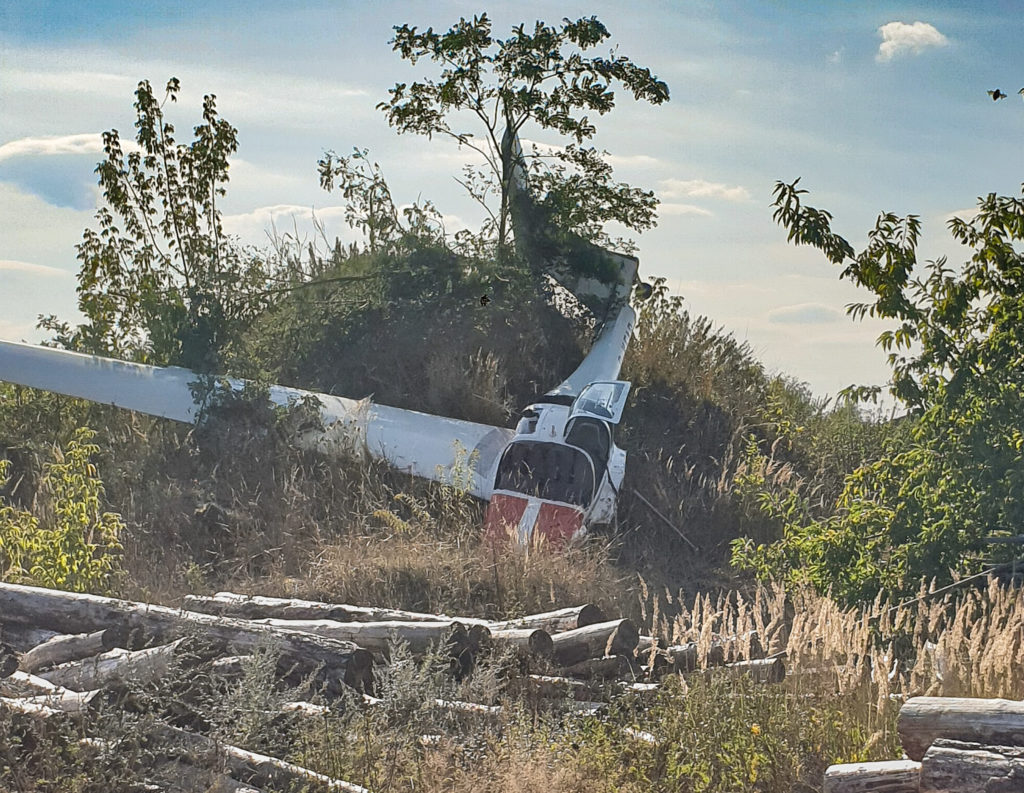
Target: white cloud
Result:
[805, 314]
[836, 56]
[899, 38]
[79, 82]
[624, 160]
[683, 209]
[701, 188]
[13, 265]
[259, 225]
[82, 143]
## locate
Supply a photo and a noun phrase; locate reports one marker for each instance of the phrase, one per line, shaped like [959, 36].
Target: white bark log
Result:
[115, 666]
[333, 661]
[595, 641]
[923, 720]
[888, 776]
[71, 647]
[960, 767]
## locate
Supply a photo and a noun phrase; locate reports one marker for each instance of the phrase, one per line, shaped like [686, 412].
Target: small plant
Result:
[70, 544]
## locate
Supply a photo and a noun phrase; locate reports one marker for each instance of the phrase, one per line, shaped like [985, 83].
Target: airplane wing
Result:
[432, 447]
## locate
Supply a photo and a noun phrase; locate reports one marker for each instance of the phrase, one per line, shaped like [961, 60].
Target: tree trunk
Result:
[230, 604]
[71, 647]
[71, 701]
[35, 710]
[960, 767]
[332, 661]
[563, 620]
[763, 670]
[595, 641]
[923, 720]
[115, 666]
[255, 768]
[377, 637]
[525, 641]
[22, 684]
[889, 776]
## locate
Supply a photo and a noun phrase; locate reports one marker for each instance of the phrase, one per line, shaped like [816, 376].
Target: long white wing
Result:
[431, 447]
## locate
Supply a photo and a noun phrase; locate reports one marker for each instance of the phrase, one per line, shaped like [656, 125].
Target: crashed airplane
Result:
[558, 472]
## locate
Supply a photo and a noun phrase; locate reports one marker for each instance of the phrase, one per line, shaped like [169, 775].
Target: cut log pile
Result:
[64, 655]
[952, 745]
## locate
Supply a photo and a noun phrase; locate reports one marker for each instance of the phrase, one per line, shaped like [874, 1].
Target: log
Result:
[251, 607]
[115, 666]
[549, 686]
[71, 701]
[71, 647]
[377, 637]
[258, 769]
[595, 641]
[8, 661]
[35, 710]
[525, 641]
[559, 621]
[962, 767]
[685, 657]
[22, 684]
[332, 661]
[923, 720]
[181, 776]
[22, 638]
[888, 776]
[457, 706]
[230, 666]
[763, 670]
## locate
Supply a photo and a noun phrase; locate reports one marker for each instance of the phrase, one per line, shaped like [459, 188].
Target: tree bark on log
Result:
[562, 620]
[22, 684]
[71, 647]
[888, 776]
[35, 710]
[594, 641]
[115, 666]
[377, 637]
[255, 768]
[924, 720]
[525, 641]
[763, 670]
[962, 767]
[71, 701]
[252, 607]
[22, 638]
[334, 662]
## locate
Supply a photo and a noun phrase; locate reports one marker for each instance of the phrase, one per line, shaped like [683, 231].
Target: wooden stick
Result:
[72, 647]
[888, 776]
[924, 720]
[667, 522]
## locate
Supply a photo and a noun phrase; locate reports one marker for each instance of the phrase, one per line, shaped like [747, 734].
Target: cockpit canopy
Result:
[552, 471]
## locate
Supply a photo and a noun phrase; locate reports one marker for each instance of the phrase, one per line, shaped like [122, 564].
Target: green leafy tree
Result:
[160, 281]
[956, 352]
[544, 77]
[70, 543]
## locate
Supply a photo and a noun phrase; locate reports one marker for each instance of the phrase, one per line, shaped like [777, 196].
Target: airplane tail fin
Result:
[600, 279]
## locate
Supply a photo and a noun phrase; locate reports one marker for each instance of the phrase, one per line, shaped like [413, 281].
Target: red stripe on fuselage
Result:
[556, 523]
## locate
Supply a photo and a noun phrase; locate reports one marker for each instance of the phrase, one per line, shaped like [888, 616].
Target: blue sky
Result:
[876, 105]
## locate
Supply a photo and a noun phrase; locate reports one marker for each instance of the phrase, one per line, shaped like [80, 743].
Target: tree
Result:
[160, 281]
[957, 357]
[542, 77]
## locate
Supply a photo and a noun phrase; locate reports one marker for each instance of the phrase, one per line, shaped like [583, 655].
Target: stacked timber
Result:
[952, 745]
[68, 656]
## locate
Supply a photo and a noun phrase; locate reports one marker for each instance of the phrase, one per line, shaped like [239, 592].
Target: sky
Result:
[876, 106]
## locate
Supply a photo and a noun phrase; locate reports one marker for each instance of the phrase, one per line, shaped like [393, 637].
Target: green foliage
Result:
[160, 282]
[70, 544]
[541, 77]
[925, 508]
